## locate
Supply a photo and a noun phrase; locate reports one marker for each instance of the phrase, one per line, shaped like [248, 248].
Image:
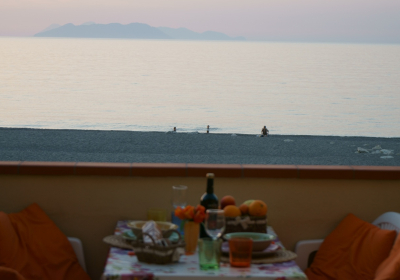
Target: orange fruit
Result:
[258, 208]
[244, 209]
[232, 211]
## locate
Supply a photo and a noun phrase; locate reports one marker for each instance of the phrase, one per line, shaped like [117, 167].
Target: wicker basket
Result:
[157, 254]
[246, 224]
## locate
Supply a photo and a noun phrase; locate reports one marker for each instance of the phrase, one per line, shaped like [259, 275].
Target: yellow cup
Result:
[159, 215]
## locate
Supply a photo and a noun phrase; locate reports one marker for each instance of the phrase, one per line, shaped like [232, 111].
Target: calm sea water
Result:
[235, 87]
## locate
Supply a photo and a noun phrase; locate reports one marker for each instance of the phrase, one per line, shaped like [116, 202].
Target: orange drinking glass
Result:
[240, 251]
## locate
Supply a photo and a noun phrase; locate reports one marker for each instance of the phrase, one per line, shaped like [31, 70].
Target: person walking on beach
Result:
[264, 131]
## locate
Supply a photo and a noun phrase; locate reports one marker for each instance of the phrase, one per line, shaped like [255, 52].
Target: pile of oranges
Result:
[249, 207]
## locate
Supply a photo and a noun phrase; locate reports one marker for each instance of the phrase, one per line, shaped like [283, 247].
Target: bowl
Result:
[165, 227]
[261, 241]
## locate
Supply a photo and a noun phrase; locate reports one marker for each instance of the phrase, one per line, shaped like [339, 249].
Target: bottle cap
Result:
[210, 175]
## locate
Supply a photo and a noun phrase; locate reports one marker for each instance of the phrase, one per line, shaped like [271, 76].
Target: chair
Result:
[78, 249]
[306, 249]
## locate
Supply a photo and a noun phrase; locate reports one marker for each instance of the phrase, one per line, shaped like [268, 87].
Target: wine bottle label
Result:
[213, 205]
[210, 204]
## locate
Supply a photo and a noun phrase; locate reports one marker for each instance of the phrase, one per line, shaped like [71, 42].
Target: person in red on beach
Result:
[264, 131]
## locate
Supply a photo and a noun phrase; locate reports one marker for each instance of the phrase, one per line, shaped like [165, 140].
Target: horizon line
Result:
[315, 41]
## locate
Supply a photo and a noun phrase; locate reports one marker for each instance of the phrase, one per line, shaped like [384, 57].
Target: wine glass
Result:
[215, 223]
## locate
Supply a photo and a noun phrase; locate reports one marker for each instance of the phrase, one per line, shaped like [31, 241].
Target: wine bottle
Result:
[209, 200]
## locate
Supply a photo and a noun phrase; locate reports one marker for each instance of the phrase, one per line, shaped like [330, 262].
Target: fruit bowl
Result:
[260, 240]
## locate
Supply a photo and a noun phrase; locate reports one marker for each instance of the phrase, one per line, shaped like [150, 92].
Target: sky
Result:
[371, 21]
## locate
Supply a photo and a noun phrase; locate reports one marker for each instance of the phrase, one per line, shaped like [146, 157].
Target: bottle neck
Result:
[210, 185]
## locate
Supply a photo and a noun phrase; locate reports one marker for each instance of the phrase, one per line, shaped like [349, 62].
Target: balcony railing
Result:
[86, 200]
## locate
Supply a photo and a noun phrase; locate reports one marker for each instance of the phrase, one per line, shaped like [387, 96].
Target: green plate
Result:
[256, 236]
[261, 241]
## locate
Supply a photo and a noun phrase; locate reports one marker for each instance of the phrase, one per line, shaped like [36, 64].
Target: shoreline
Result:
[73, 145]
[193, 132]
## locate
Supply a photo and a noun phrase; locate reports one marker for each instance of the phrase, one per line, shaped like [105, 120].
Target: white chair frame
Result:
[78, 249]
[303, 249]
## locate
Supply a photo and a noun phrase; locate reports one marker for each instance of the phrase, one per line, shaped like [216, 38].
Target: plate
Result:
[261, 241]
[271, 249]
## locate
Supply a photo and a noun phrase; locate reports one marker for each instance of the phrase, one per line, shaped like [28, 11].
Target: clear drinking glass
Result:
[179, 196]
[215, 223]
[209, 253]
[178, 199]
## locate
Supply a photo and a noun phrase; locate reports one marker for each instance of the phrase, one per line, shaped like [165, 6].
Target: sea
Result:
[232, 87]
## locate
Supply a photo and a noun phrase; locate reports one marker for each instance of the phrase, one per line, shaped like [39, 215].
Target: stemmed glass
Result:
[215, 223]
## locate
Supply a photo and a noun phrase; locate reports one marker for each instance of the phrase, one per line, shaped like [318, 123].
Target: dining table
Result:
[122, 264]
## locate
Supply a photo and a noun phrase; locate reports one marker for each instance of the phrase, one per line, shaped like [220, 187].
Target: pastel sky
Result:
[282, 20]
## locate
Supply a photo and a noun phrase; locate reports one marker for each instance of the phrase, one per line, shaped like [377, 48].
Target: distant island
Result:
[130, 31]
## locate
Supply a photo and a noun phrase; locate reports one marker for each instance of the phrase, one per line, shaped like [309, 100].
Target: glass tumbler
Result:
[240, 251]
[157, 214]
[209, 253]
[178, 199]
[179, 196]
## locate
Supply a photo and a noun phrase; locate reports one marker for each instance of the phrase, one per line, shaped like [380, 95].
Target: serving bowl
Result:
[261, 241]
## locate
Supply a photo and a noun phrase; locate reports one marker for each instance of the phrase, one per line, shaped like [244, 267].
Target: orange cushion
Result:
[390, 268]
[34, 246]
[8, 240]
[10, 274]
[353, 250]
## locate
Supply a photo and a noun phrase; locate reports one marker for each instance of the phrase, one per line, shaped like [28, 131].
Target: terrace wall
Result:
[86, 200]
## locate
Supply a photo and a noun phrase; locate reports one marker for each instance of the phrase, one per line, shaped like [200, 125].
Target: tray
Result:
[277, 257]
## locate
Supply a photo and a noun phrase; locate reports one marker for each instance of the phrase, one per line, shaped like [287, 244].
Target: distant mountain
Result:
[132, 30]
[186, 34]
[112, 30]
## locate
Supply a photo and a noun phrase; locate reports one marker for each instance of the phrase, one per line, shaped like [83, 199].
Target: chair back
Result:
[78, 249]
[388, 220]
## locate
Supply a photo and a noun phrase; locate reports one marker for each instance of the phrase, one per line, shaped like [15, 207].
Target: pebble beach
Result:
[23, 144]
